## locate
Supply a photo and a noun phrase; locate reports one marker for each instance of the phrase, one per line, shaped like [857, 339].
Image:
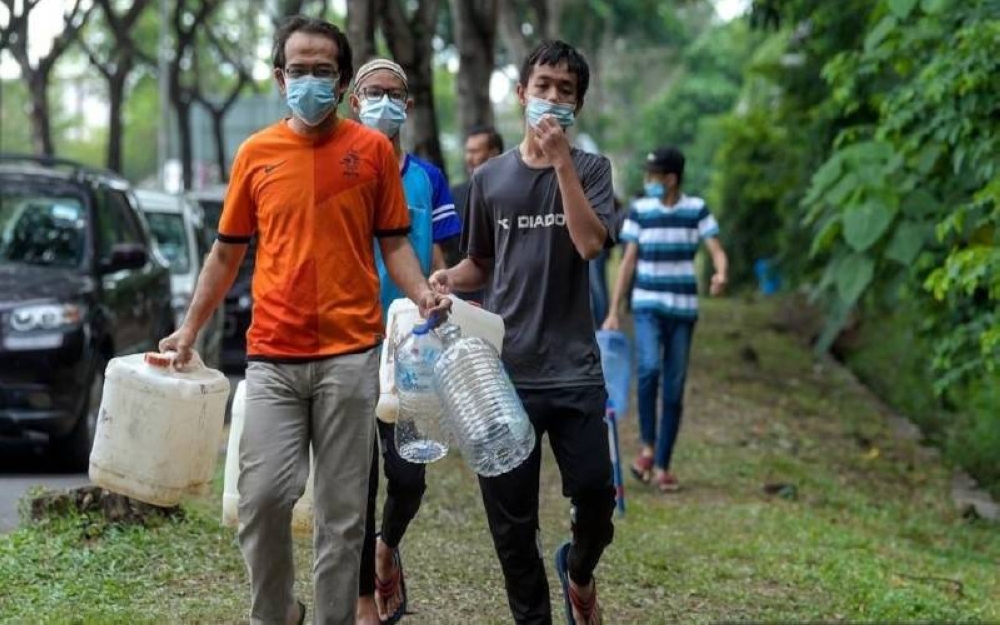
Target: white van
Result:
[178, 225]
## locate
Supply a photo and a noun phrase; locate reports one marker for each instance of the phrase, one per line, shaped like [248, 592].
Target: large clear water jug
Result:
[401, 317]
[420, 433]
[485, 415]
[159, 429]
[302, 513]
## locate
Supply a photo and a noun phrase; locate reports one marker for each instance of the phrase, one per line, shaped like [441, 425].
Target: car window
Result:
[115, 223]
[42, 228]
[213, 211]
[171, 238]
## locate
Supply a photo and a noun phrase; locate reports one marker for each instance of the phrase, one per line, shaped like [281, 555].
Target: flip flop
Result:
[570, 598]
[642, 469]
[388, 589]
[562, 555]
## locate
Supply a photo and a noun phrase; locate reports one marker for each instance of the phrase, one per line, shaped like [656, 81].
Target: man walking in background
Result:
[481, 144]
[317, 192]
[381, 101]
[662, 233]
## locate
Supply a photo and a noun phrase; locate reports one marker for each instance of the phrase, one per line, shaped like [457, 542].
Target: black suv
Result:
[80, 283]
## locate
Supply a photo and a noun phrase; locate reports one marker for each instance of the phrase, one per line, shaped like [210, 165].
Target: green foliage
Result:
[926, 166]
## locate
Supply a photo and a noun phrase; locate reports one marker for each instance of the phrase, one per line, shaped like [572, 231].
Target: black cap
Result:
[665, 161]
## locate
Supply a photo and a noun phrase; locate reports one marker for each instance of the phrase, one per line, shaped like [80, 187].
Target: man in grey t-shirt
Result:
[537, 214]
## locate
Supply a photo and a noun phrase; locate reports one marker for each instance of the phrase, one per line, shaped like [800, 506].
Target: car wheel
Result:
[74, 450]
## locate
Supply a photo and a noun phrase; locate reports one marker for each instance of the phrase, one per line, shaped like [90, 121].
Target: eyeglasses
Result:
[327, 72]
[377, 93]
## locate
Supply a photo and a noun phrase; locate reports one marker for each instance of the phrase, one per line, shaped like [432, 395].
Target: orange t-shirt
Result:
[316, 208]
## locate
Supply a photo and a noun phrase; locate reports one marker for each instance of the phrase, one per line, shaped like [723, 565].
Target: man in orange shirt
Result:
[317, 192]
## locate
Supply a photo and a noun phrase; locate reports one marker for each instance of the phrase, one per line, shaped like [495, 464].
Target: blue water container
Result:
[767, 276]
[616, 360]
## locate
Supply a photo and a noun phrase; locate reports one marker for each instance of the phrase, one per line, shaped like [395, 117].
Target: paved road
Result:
[23, 466]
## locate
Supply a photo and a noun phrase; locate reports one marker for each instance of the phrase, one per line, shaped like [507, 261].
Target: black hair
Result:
[495, 140]
[667, 160]
[314, 26]
[555, 52]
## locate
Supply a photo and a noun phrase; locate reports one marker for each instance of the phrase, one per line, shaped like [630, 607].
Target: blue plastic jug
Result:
[616, 360]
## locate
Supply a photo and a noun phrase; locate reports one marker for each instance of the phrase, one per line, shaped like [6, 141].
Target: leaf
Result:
[932, 7]
[880, 32]
[902, 8]
[823, 178]
[825, 237]
[853, 277]
[920, 203]
[907, 242]
[865, 223]
[928, 157]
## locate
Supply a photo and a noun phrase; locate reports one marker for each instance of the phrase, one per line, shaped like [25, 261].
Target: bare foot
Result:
[386, 572]
[586, 596]
[367, 613]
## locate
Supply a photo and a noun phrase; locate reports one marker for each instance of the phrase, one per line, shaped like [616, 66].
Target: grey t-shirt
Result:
[539, 283]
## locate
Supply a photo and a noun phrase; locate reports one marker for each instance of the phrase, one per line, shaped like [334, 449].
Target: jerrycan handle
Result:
[433, 321]
[165, 361]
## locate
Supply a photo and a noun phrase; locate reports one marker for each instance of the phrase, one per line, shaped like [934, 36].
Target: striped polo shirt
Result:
[668, 239]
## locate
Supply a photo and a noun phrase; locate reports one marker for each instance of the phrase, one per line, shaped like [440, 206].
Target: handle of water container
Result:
[433, 321]
[166, 360]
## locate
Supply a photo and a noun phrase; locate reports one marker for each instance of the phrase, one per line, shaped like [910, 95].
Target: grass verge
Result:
[860, 531]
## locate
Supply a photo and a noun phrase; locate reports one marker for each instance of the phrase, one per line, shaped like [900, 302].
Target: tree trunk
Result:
[116, 100]
[509, 20]
[219, 133]
[423, 121]
[183, 108]
[361, 18]
[41, 129]
[475, 36]
[410, 41]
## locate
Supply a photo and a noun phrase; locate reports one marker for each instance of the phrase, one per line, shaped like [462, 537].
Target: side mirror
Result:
[125, 256]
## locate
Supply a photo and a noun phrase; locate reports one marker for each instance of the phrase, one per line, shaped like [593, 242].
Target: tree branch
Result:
[71, 28]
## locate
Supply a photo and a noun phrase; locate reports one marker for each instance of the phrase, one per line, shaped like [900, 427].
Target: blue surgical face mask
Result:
[654, 189]
[385, 115]
[311, 99]
[538, 107]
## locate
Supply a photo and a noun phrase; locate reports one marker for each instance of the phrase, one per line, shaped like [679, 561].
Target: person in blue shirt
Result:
[381, 101]
[663, 232]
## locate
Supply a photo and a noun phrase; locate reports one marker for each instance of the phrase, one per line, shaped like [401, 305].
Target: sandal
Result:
[642, 469]
[667, 483]
[587, 608]
[389, 587]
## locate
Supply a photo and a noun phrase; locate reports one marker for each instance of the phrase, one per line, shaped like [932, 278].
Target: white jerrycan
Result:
[302, 513]
[401, 317]
[158, 429]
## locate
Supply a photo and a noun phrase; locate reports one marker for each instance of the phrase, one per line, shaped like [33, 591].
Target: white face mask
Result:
[537, 107]
[385, 115]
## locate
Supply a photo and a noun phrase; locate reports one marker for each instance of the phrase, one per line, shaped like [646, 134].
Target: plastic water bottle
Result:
[484, 413]
[420, 433]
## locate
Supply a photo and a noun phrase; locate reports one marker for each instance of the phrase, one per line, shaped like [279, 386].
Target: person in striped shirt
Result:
[662, 235]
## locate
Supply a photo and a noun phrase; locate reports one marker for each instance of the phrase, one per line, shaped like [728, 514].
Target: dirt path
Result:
[857, 524]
